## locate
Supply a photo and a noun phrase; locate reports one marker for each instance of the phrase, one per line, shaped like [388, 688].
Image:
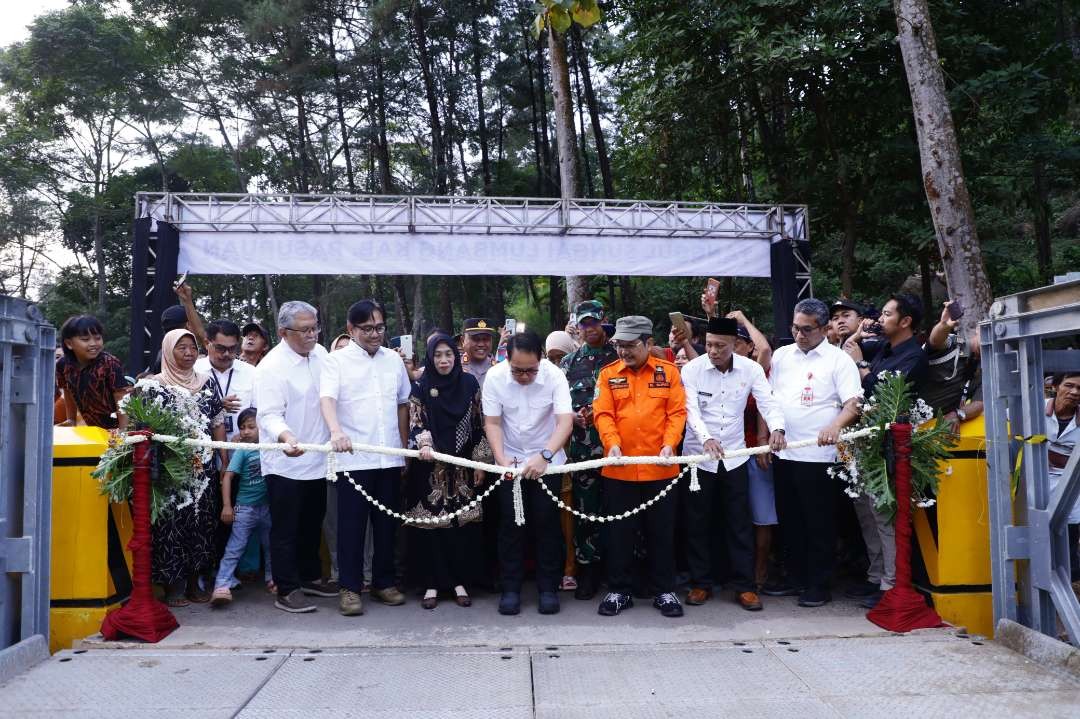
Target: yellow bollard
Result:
[956, 548]
[90, 565]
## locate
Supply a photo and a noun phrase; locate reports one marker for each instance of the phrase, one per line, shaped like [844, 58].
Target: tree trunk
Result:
[943, 173]
[586, 171]
[446, 307]
[538, 150]
[418, 309]
[1039, 200]
[499, 302]
[594, 113]
[481, 120]
[386, 180]
[99, 254]
[577, 287]
[271, 299]
[545, 142]
[340, 105]
[437, 151]
[402, 305]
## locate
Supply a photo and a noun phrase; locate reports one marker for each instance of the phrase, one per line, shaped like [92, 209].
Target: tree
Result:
[558, 17]
[943, 172]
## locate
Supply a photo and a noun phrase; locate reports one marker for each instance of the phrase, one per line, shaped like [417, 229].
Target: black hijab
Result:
[447, 399]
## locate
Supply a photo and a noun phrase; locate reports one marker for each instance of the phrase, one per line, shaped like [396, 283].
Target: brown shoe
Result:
[697, 597]
[429, 602]
[749, 601]
[389, 596]
[463, 600]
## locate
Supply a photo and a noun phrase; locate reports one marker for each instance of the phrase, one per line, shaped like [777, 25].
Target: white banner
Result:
[433, 253]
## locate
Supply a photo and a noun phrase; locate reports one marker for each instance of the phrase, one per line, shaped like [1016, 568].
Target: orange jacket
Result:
[641, 412]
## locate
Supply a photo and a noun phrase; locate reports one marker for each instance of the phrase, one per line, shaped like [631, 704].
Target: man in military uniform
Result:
[477, 339]
[582, 367]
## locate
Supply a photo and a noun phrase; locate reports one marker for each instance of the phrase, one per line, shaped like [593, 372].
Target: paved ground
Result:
[251, 660]
[252, 621]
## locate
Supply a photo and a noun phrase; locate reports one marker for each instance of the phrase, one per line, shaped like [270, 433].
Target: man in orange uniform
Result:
[639, 410]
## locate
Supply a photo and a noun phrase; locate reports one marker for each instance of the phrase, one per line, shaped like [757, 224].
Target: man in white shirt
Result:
[234, 380]
[528, 419]
[364, 395]
[717, 386]
[287, 395]
[817, 386]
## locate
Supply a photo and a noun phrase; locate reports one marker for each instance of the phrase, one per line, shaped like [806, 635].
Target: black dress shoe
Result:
[510, 603]
[586, 582]
[814, 598]
[871, 601]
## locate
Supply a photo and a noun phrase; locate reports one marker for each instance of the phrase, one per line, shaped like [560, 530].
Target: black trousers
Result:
[659, 525]
[542, 520]
[732, 488]
[354, 513]
[806, 508]
[297, 507]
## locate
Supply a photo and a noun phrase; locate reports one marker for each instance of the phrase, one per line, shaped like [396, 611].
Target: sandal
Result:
[429, 602]
[198, 596]
[569, 584]
[176, 600]
[271, 587]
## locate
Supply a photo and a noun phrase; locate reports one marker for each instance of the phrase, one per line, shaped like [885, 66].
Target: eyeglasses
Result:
[372, 329]
[233, 350]
[796, 330]
[626, 346]
[306, 331]
[518, 372]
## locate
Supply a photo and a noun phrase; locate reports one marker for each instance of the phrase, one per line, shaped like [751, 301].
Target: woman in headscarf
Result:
[445, 417]
[184, 539]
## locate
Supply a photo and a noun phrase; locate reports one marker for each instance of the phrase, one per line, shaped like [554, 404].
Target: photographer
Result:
[953, 381]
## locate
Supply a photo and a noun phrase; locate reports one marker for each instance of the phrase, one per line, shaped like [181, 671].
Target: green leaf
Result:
[587, 13]
[560, 19]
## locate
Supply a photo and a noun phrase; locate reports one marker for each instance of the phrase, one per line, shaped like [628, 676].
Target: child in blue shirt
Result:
[251, 513]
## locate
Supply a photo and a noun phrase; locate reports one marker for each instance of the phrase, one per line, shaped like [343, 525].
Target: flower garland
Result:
[862, 462]
[163, 410]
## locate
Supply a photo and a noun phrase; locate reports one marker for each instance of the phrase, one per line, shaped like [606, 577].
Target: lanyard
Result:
[217, 383]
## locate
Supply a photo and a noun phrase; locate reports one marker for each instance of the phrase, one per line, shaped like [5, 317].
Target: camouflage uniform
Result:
[581, 368]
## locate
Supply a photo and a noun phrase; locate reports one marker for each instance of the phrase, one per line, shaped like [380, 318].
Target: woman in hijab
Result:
[184, 540]
[445, 417]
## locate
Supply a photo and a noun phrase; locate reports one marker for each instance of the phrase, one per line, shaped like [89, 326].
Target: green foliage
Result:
[863, 465]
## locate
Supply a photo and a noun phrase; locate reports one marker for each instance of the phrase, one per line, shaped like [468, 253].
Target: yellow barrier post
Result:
[956, 548]
[90, 567]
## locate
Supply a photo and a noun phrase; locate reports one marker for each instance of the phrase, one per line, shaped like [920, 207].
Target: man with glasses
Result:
[582, 367]
[817, 387]
[639, 410]
[233, 381]
[527, 420]
[364, 394]
[477, 339]
[287, 395]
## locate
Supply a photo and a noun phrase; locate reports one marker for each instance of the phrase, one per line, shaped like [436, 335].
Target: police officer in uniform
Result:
[582, 367]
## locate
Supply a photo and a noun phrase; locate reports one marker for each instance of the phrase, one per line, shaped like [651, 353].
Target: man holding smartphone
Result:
[582, 367]
[900, 352]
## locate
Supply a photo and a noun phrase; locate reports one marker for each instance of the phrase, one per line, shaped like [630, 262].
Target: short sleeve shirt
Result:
[92, 387]
[251, 489]
[528, 410]
[368, 389]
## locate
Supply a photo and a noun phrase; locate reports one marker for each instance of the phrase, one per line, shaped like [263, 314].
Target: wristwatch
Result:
[547, 455]
[862, 364]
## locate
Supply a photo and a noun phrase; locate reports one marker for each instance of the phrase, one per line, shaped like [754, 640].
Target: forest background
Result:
[769, 101]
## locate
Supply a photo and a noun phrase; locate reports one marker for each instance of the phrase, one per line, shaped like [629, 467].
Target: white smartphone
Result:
[511, 326]
[407, 346]
[520, 327]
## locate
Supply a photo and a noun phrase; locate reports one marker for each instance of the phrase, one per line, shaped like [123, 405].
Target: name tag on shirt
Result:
[618, 383]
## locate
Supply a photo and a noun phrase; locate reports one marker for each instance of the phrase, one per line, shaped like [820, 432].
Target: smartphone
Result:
[955, 310]
[573, 318]
[182, 280]
[407, 346]
[511, 326]
[712, 288]
[679, 322]
[520, 327]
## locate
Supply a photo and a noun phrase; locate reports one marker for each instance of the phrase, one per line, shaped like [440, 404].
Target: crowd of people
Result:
[776, 524]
